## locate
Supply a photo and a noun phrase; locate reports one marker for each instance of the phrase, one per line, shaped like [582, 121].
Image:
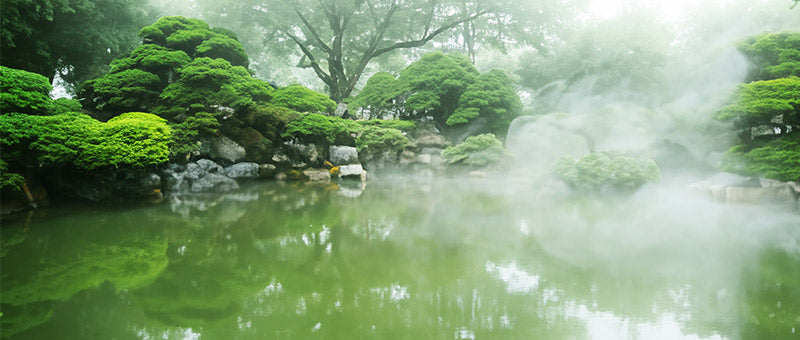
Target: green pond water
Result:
[404, 258]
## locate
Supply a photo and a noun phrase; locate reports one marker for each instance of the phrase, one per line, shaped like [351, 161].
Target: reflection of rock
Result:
[351, 170]
[267, 170]
[214, 182]
[318, 175]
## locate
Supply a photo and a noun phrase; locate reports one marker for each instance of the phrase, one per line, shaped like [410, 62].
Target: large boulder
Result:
[209, 166]
[244, 170]
[343, 155]
[226, 150]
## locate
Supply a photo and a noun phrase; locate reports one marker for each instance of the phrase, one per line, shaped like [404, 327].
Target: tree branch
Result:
[313, 32]
[427, 37]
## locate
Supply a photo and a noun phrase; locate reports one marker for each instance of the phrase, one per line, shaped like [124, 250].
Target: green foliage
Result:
[761, 102]
[125, 91]
[600, 172]
[776, 159]
[434, 84]
[9, 180]
[378, 95]
[24, 92]
[182, 68]
[493, 96]
[447, 88]
[376, 140]
[205, 82]
[477, 151]
[402, 125]
[302, 99]
[186, 133]
[774, 55]
[64, 105]
[321, 129]
[74, 139]
[154, 59]
[196, 39]
[76, 37]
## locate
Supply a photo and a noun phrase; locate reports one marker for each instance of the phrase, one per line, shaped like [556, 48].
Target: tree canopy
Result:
[77, 38]
[338, 40]
[766, 111]
[446, 88]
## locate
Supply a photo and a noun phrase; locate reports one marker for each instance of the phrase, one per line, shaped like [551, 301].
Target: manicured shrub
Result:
[300, 98]
[24, 92]
[601, 172]
[476, 151]
[776, 159]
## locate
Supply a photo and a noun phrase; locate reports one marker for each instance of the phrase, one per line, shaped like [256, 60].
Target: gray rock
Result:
[244, 170]
[209, 166]
[193, 171]
[280, 158]
[343, 155]
[214, 182]
[318, 175]
[423, 159]
[351, 170]
[267, 170]
[431, 151]
[341, 109]
[407, 157]
[305, 153]
[225, 149]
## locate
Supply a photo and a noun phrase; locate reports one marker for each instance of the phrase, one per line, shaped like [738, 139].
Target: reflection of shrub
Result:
[599, 172]
[376, 140]
[302, 99]
[777, 159]
[477, 151]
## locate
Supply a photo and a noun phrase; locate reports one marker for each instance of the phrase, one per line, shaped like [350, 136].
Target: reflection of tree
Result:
[60, 258]
[772, 308]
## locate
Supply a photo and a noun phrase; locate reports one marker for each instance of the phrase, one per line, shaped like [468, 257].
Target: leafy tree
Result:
[773, 55]
[300, 98]
[774, 104]
[183, 67]
[339, 40]
[777, 159]
[767, 111]
[476, 151]
[447, 88]
[491, 96]
[378, 96]
[600, 172]
[433, 85]
[77, 38]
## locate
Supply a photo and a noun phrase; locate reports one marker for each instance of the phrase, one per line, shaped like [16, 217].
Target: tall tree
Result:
[339, 39]
[75, 37]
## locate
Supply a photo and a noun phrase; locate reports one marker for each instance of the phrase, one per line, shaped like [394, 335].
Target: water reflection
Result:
[404, 259]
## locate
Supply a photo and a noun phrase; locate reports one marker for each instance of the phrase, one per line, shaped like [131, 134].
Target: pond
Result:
[404, 258]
